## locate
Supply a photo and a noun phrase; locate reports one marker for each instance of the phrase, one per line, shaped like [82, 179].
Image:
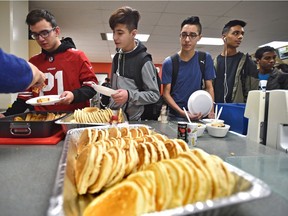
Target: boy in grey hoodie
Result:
[133, 72]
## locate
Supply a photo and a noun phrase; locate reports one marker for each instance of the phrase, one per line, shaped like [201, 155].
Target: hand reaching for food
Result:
[38, 77]
[68, 98]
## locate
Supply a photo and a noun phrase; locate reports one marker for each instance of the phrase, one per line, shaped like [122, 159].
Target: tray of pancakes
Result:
[131, 169]
[91, 116]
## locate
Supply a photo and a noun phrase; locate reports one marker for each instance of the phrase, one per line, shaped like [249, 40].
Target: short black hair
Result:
[192, 20]
[232, 23]
[259, 52]
[37, 15]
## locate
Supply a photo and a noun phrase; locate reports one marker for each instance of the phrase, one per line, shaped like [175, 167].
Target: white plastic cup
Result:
[164, 119]
[192, 134]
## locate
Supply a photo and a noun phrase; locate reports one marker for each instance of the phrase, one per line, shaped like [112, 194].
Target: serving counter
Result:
[27, 173]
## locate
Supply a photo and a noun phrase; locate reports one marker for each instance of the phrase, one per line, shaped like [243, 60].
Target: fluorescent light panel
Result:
[203, 41]
[276, 44]
[141, 37]
[210, 41]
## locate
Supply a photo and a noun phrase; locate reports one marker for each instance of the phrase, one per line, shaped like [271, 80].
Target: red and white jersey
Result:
[65, 71]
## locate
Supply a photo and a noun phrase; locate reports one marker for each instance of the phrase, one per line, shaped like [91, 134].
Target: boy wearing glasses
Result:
[65, 67]
[189, 79]
[133, 72]
[236, 73]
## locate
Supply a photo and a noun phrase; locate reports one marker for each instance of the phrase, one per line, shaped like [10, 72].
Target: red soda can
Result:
[182, 131]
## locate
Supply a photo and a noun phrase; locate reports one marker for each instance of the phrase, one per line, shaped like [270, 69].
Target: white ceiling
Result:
[85, 20]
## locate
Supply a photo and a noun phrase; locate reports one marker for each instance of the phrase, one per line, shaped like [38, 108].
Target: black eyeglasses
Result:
[43, 34]
[191, 36]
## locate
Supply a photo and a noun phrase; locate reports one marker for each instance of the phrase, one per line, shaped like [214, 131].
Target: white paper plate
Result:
[53, 99]
[207, 121]
[200, 101]
[104, 90]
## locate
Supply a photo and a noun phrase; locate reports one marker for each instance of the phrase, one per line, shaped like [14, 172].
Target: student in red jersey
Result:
[65, 67]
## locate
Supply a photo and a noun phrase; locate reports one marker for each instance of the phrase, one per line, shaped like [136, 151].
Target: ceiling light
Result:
[211, 41]
[276, 44]
[141, 37]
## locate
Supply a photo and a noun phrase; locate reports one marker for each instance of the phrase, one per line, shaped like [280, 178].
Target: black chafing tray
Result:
[9, 128]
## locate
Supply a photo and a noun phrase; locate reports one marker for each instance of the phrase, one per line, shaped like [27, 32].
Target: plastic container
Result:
[233, 115]
[217, 131]
[200, 130]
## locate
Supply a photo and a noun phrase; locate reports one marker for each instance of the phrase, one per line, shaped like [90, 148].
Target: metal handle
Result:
[20, 129]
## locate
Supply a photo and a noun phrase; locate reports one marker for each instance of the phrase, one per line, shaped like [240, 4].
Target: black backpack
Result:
[175, 67]
[151, 111]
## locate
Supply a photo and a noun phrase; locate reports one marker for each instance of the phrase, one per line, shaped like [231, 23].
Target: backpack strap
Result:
[142, 57]
[215, 63]
[202, 62]
[175, 69]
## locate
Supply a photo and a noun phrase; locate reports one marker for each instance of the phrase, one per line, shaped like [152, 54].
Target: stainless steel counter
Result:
[27, 173]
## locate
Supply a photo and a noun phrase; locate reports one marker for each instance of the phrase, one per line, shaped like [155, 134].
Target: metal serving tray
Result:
[68, 123]
[28, 129]
[66, 201]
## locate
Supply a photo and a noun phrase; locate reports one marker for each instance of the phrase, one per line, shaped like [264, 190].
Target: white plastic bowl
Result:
[207, 121]
[200, 130]
[200, 101]
[217, 131]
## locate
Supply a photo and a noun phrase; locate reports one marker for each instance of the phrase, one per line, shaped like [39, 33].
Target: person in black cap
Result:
[236, 72]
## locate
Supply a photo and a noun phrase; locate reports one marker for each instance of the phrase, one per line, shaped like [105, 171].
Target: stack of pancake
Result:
[190, 177]
[96, 115]
[107, 156]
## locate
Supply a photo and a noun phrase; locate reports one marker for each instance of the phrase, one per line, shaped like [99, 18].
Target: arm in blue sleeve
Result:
[16, 74]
